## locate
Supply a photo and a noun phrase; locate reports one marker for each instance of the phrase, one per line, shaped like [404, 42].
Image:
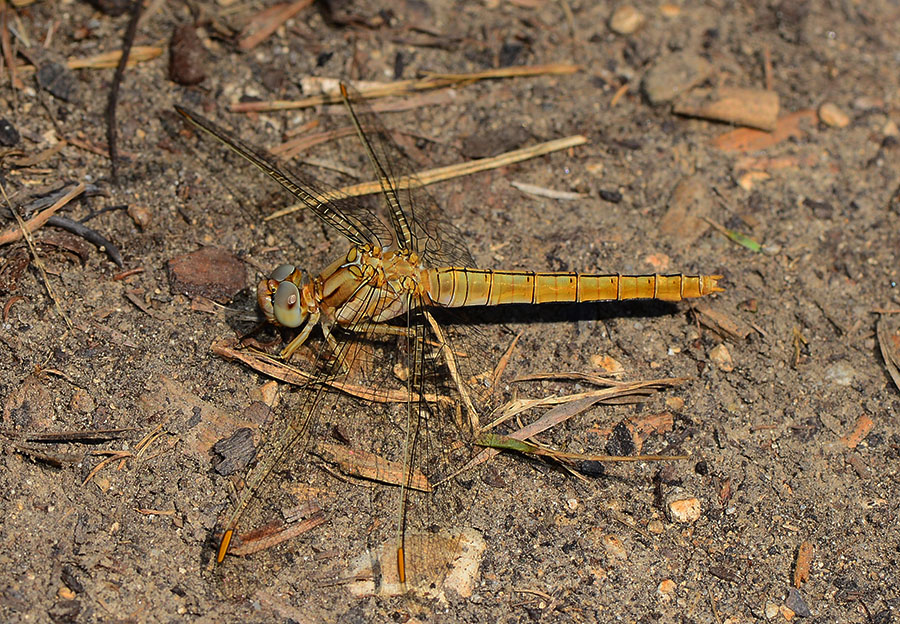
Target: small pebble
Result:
[684, 510]
[141, 216]
[186, 56]
[614, 547]
[666, 588]
[9, 136]
[831, 115]
[236, 451]
[673, 75]
[770, 610]
[840, 373]
[268, 393]
[670, 10]
[58, 80]
[82, 402]
[796, 603]
[606, 364]
[626, 20]
[721, 357]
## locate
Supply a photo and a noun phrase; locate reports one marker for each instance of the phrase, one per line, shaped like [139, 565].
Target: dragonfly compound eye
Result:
[282, 272]
[286, 305]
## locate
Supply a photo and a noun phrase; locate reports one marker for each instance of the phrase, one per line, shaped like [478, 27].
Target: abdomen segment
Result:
[457, 287]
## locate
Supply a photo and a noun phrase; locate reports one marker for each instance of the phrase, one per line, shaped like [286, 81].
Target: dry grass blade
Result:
[635, 390]
[440, 174]
[405, 87]
[36, 159]
[568, 407]
[107, 60]
[269, 21]
[595, 380]
[281, 371]
[88, 436]
[507, 443]
[26, 234]
[889, 344]
[273, 534]
[16, 233]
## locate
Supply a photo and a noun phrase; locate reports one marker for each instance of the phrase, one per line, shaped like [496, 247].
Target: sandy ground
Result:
[788, 412]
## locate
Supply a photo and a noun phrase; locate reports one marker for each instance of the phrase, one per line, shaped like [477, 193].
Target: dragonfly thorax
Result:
[367, 284]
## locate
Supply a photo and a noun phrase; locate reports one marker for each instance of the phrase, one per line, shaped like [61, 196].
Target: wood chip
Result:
[750, 140]
[210, 272]
[756, 108]
[802, 564]
[721, 322]
[683, 222]
[864, 425]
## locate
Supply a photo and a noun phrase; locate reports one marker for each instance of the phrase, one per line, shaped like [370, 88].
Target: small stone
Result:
[673, 75]
[141, 216]
[666, 588]
[675, 403]
[721, 357]
[209, 272]
[9, 136]
[796, 603]
[186, 56]
[670, 10]
[614, 547]
[831, 115]
[683, 223]
[890, 129]
[656, 526]
[236, 451]
[840, 373]
[65, 593]
[684, 510]
[626, 20]
[57, 79]
[113, 8]
[268, 393]
[82, 402]
[786, 613]
[606, 364]
[770, 610]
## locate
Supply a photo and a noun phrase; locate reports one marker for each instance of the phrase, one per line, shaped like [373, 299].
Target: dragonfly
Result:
[405, 260]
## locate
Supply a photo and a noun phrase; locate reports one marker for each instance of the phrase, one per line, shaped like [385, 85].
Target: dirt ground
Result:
[788, 412]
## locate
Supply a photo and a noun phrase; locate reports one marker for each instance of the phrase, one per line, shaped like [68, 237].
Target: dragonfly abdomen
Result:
[454, 287]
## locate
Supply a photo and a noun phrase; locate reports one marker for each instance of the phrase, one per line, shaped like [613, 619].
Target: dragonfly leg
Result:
[336, 351]
[300, 338]
[472, 422]
[382, 329]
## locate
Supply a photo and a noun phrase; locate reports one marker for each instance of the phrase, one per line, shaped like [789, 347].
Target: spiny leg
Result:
[300, 338]
[453, 368]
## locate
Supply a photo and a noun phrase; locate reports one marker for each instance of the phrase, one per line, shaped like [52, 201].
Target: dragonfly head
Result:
[280, 296]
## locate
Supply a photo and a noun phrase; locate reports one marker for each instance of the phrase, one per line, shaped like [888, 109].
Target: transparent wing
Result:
[436, 239]
[368, 437]
[348, 215]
